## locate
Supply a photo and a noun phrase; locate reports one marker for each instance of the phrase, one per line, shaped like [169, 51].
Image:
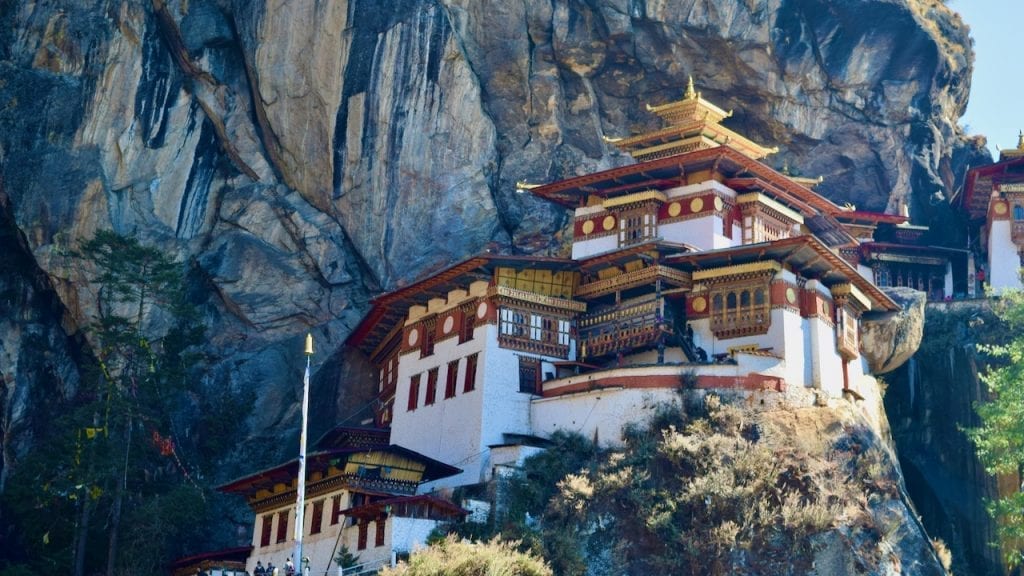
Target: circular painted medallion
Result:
[674, 209]
[1000, 208]
[696, 205]
[700, 304]
[414, 336]
[449, 323]
[790, 295]
[588, 227]
[718, 203]
[481, 310]
[608, 223]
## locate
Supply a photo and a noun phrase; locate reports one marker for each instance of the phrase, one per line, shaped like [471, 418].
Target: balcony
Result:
[641, 277]
[621, 328]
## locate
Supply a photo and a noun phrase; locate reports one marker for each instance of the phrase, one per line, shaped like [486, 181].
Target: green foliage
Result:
[455, 557]
[999, 440]
[115, 457]
[345, 558]
[700, 490]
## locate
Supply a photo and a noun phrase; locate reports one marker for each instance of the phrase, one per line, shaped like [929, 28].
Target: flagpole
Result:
[300, 499]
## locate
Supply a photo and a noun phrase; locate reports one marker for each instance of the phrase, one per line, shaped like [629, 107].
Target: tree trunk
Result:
[81, 538]
[115, 512]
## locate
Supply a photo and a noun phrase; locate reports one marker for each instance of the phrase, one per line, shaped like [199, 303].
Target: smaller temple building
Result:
[993, 200]
[360, 497]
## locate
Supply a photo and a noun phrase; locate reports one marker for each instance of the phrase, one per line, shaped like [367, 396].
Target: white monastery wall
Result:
[697, 232]
[600, 413]
[408, 534]
[449, 429]
[1003, 261]
[587, 248]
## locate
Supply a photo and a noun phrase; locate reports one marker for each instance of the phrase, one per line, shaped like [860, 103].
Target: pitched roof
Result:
[390, 308]
[805, 253]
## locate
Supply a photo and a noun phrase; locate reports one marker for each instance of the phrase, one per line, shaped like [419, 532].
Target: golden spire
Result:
[1020, 140]
[691, 94]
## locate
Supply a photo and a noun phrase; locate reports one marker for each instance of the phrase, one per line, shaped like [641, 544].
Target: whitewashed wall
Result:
[1003, 261]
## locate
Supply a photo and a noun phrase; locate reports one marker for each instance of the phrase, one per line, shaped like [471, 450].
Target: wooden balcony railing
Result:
[635, 278]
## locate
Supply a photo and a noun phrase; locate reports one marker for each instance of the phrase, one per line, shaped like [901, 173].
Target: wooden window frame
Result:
[469, 381]
[431, 395]
[364, 528]
[414, 393]
[335, 509]
[282, 527]
[378, 539]
[741, 310]
[316, 519]
[467, 327]
[529, 385]
[266, 530]
[451, 379]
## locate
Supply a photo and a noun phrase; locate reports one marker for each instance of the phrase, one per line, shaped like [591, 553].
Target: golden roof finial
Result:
[785, 167]
[523, 186]
[1020, 140]
[691, 94]
[610, 139]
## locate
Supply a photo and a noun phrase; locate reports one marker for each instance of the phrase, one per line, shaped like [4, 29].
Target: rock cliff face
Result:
[301, 156]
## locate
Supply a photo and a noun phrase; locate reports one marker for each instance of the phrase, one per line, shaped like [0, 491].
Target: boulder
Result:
[890, 339]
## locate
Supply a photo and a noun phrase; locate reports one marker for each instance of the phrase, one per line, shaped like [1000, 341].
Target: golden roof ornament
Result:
[1020, 140]
[691, 94]
[523, 186]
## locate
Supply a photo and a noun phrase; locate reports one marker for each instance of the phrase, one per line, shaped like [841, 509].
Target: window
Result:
[529, 369]
[317, 519]
[469, 384]
[740, 311]
[636, 226]
[335, 509]
[450, 379]
[513, 322]
[388, 376]
[429, 335]
[1018, 212]
[379, 537]
[467, 327]
[282, 526]
[431, 387]
[534, 333]
[268, 521]
[414, 392]
[364, 527]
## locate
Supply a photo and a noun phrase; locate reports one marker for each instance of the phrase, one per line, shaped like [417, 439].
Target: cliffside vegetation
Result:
[1000, 436]
[121, 482]
[708, 487]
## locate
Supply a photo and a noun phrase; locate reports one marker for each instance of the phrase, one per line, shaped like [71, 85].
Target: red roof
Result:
[805, 253]
[389, 308]
[239, 554]
[669, 171]
[874, 217]
[980, 180]
[400, 505]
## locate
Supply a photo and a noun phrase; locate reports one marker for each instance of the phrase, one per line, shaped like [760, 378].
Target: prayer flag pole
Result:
[301, 491]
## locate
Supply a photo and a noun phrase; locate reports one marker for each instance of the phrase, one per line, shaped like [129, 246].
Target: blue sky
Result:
[997, 89]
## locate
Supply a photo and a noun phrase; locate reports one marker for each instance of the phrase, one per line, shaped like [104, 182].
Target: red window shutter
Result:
[364, 528]
[469, 384]
[414, 392]
[317, 518]
[282, 526]
[450, 379]
[268, 521]
[431, 387]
